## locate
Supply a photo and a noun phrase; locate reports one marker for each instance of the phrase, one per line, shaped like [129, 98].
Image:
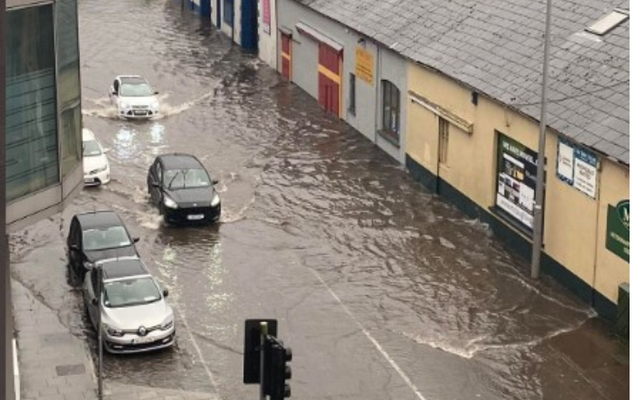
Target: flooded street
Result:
[382, 290]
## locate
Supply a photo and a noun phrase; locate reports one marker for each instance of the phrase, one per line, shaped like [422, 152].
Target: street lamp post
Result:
[540, 171]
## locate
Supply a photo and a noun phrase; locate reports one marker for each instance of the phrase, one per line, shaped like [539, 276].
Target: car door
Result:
[91, 293]
[155, 181]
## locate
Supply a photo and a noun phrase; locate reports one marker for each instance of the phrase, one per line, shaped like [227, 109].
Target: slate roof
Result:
[496, 47]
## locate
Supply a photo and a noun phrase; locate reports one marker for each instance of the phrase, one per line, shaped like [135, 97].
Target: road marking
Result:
[371, 338]
[193, 341]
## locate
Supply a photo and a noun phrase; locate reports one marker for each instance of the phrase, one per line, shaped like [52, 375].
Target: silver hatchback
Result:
[135, 315]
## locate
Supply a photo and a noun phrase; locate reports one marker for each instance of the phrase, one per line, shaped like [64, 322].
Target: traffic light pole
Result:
[264, 331]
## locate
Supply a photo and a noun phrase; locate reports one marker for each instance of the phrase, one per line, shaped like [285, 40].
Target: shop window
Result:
[228, 12]
[444, 139]
[390, 109]
[352, 94]
[31, 109]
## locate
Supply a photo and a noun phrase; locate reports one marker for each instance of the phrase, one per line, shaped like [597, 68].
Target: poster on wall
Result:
[618, 220]
[516, 180]
[577, 167]
[266, 16]
[364, 65]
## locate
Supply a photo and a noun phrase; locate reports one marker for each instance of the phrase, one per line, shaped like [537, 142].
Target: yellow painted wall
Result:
[574, 233]
[611, 270]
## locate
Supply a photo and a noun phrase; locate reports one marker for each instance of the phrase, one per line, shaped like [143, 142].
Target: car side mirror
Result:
[156, 92]
[165, 292]
[215, 181]
[136, 240]
[75, 247]
[94, 301]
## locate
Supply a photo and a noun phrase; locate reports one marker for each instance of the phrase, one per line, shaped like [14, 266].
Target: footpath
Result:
[56, 365]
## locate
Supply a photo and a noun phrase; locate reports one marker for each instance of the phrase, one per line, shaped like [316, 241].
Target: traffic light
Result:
[278, 372]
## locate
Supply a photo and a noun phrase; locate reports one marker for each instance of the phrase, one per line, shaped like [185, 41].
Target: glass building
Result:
[43, 108]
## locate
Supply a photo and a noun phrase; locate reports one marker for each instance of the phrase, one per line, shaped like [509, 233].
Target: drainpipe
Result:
[6, 317]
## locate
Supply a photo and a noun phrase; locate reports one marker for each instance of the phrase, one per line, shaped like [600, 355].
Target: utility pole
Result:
[538, 215]
[99, 311]
[6, 335]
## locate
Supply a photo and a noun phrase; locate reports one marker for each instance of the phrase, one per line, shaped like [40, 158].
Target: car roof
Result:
[132, 79]
[99, 219]
[87, 135]
[180, 161]
[122, 267]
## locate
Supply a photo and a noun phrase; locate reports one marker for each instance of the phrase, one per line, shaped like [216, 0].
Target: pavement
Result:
[54, 364]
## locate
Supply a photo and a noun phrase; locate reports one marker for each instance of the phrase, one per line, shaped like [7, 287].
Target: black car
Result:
[96, 236]
[181, 188]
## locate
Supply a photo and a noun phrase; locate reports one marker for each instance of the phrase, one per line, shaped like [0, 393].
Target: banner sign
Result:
[516, 180]
[618, 218]
[364, 65]
[577, 167]
[266, 16]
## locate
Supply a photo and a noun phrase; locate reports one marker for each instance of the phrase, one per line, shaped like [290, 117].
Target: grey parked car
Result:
[135, 315]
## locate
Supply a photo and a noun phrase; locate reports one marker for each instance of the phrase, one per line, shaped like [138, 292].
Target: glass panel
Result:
[228, 12]
[108, 238]
[71, 142]
[130, 292]
[69, 83]
[31, 150]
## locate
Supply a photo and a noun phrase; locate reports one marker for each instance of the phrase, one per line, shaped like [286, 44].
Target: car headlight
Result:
[167, 324]
[124, 104]
[97, 171]
[168, 202]
[154, 105]
[216, 200]
[111, 331]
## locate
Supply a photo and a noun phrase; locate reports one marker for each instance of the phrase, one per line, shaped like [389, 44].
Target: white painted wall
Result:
[268, 42]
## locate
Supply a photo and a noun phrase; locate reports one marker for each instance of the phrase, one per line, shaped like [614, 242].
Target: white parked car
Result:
[134, 97]
[94, 160]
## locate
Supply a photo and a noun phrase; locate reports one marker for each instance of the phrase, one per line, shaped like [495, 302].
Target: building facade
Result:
[351, 75]
[43, 109]
[446, 130]
[42, 133]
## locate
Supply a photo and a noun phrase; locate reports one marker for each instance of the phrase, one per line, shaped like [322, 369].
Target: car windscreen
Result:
[130, 292]
[186, 179]
[91, 148]
[105, 238]
[136, 90]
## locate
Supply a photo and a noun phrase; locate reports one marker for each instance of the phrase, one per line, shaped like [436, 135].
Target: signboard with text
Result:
[364, 65]
[618, 219]
[516, 180]
[577, 167]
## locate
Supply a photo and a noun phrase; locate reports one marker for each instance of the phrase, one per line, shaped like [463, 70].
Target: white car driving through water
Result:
[134, 97]
[94, 160]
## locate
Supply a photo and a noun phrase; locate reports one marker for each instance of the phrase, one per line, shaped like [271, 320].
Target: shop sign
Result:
[577, 167]
[618, 218]
[364, 65]
[516, 180]
[266, 16]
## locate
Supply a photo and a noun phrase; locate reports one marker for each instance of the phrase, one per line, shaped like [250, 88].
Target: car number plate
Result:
[142, 340]
[195, 217]
[88, 180]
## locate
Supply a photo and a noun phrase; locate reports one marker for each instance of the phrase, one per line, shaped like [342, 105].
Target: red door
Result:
[286, 55]
[329, 79]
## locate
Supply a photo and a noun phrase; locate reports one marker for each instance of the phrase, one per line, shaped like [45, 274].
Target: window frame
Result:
[390, 108]
[228, 12]
[352, 94]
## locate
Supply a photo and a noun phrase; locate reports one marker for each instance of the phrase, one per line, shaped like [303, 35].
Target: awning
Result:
[313, 33]
[285, 31]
